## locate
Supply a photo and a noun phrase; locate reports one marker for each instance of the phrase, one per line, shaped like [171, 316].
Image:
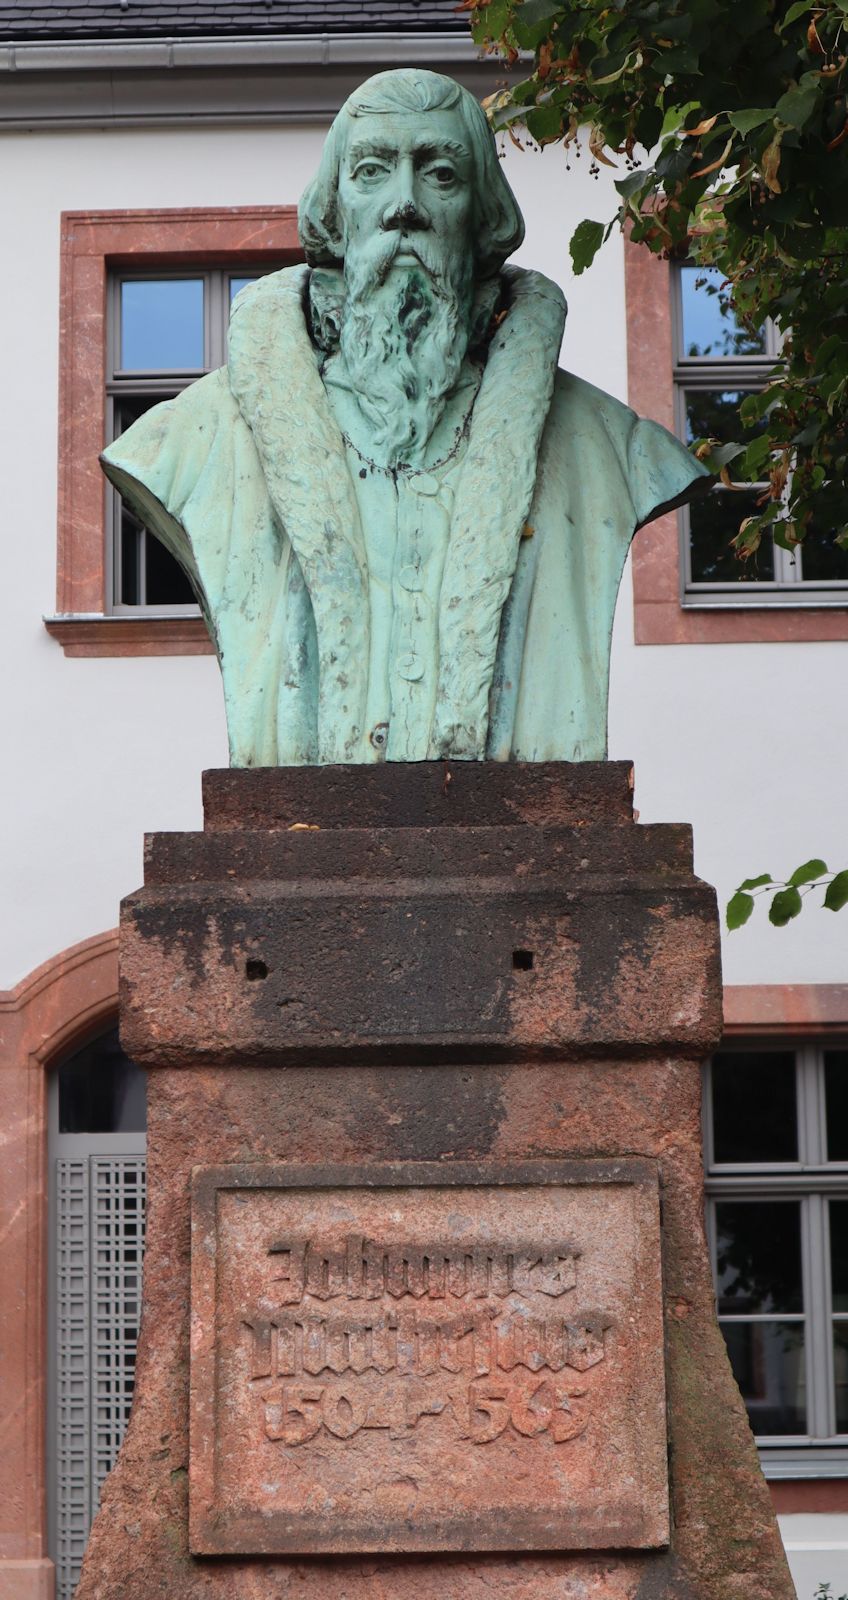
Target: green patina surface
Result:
[405, 525]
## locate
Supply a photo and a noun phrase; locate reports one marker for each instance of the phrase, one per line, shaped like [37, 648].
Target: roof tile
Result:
[115, 19]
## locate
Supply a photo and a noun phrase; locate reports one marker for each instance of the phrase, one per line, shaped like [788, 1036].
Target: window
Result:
[668, 607]
[144, 297]
[776, 1149]
[96, 1140]
[165, 331]
[717, 361]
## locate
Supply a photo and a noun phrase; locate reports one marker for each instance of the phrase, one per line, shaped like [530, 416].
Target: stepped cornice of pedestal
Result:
[420, 912]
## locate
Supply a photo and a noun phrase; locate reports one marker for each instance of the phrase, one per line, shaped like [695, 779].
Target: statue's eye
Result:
[369, 170]
[444, 176]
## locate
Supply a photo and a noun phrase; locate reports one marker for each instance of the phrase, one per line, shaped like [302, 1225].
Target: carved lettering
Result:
[415, 1344]
[364, 1269]
[463, 1335]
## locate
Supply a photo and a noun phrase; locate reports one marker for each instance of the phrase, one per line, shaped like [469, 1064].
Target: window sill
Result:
[798, 598]
[803, 1465]
[130, 636]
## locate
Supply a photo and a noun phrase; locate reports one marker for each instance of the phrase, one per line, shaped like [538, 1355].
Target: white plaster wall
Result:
[816, 1546]
[747, 742]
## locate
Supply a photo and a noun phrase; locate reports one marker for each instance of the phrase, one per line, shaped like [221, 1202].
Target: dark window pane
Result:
[822, 560]
[162, 324]
[149, 575]
[714, 414]
[709, 326]
[754, 1106]
[101, 1090]
[167, 584]
[128, 409]
[840, 1371]
[836, 1103]
[768, 1364]
[839, 1253]
[132, 551]
[130, 590]
[758, 1255]
[713, 522]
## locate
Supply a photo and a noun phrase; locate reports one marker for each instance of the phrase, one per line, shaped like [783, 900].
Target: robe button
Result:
[409, 577]
[410, 666]
[379, 736]
[425, 483]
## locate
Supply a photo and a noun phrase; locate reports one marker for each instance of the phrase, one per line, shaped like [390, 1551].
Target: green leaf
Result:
[739, 910]
[755, 406]
[533, 11]
[544, 123]
[675, 118]
[586, 241]
[633, 58]
[836, 894]
[785, 905]
[786, 536]
[719, 456]
[757, 883]
[495, 18]
[797, 105]
[745, 121]
[532, 21]
[795, 11]
[808, 872]
[678, 62]
[756, 455]
[629, 185]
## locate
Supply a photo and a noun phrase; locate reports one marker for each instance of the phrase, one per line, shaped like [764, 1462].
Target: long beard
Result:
[403, 333]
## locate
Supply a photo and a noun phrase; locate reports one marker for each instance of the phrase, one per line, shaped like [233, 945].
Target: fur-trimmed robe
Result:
[244, 478]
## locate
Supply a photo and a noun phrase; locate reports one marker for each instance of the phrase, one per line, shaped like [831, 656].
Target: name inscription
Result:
[374, 1366]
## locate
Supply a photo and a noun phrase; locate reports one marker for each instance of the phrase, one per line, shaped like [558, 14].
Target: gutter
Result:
[272, 50]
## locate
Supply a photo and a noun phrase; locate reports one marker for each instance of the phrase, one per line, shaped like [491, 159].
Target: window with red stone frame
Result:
[660, 614]
[94, 246]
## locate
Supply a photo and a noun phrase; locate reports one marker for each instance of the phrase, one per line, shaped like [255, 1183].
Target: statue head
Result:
[434, 114]
[407, 223]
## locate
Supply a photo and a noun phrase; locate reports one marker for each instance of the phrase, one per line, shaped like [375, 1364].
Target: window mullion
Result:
[114, 551]
[710, 1230]
[822, 1418]
[113, 325]
[141, 547]
[707, 1137]
[812, 1149]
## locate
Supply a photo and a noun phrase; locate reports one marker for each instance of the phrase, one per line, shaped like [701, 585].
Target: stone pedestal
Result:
[427, 1305]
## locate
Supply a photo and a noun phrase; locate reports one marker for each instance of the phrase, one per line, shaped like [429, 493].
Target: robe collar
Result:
[274, 374]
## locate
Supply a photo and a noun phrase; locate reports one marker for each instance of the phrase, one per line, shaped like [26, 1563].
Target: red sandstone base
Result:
[429, 1039]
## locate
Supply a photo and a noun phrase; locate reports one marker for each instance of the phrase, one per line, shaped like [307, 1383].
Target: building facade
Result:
[152, 159]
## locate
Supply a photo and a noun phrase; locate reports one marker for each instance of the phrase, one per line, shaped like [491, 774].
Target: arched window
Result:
[96, 1145]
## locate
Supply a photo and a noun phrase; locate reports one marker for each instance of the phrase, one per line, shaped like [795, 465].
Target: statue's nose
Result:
[405, 216]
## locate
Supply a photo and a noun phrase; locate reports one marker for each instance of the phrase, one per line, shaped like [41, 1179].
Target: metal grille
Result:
[99, 1244]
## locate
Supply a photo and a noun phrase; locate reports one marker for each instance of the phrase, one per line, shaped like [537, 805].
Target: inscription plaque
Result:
[428, 1357]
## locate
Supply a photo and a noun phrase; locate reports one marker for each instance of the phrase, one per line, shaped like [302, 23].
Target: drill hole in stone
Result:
[254, 968]
[522, 960]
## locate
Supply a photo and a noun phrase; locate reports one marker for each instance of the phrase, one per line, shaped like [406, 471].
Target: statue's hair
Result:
[498, 223]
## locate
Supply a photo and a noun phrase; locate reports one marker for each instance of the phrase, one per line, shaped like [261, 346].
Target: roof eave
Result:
[236, 51]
